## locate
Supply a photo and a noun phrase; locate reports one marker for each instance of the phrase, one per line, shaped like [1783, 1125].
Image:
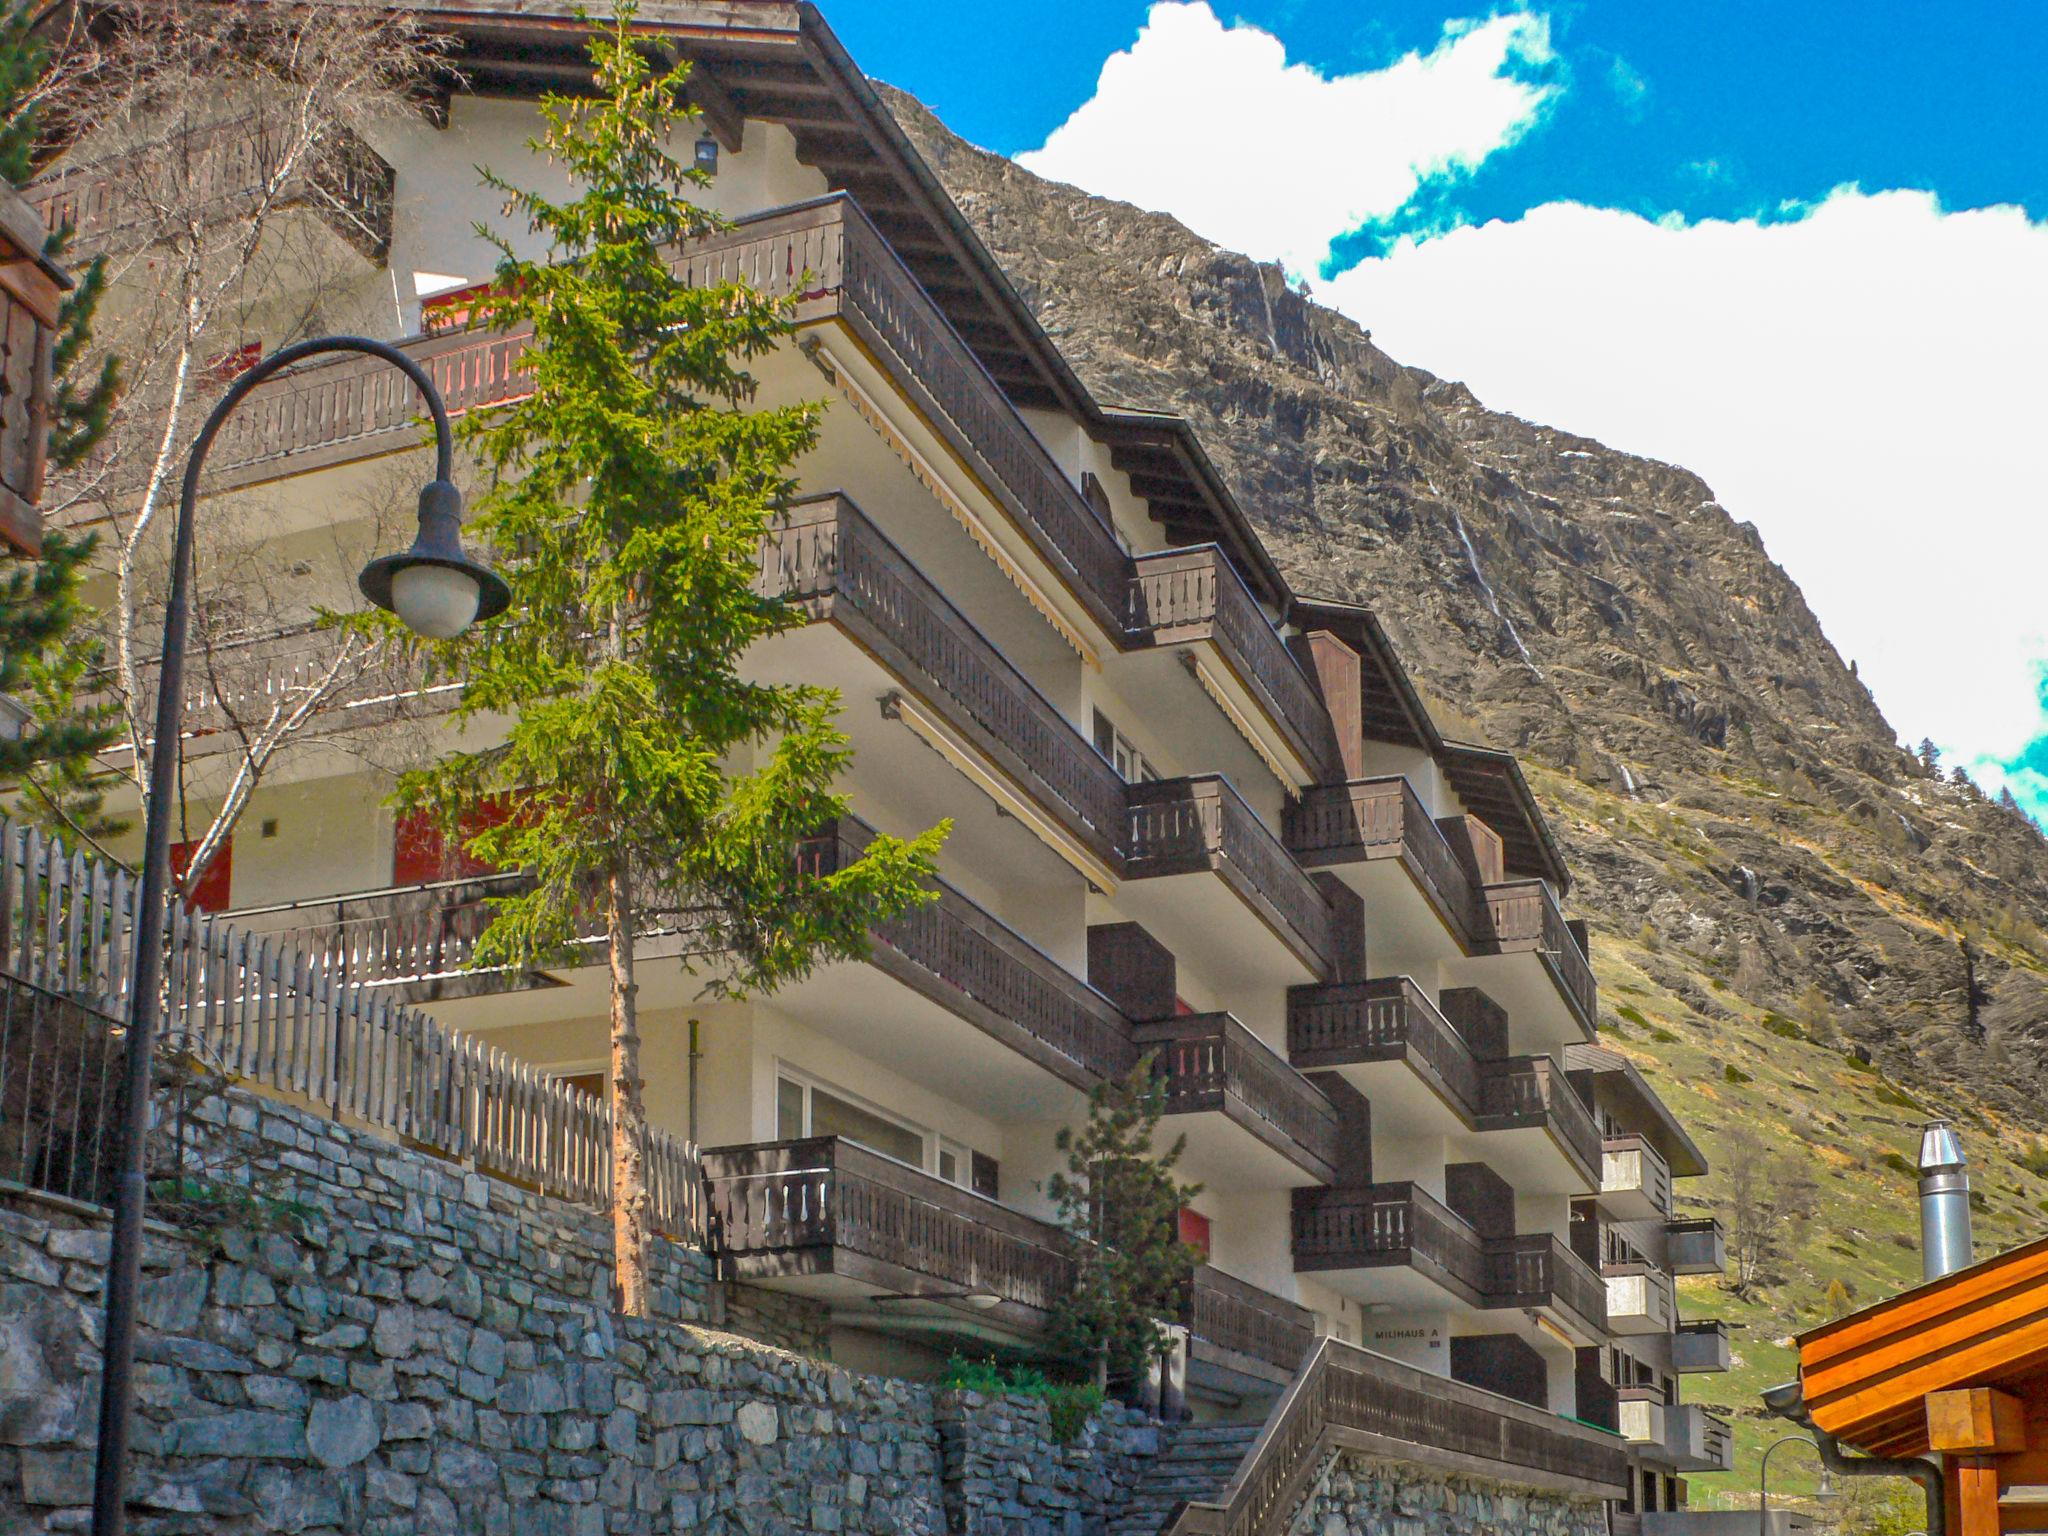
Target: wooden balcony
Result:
[418, 941]
[1352, 1025]
[1202, 825]
[825, 1217]
[1639, 1299]
[1532, 1093]
[1390, 1226]
[828, 557]
[1696, 1246]
[1540, 1270]
[1239, 1330]
[1369, 820]
[1523, 917]
[970, 963]
[1635, 1181]
[1189, 597]
[124, 201]
[1696, 1440]
[824, 256]
[1404, 1227]
[1701, 1345]
[1212, 1066]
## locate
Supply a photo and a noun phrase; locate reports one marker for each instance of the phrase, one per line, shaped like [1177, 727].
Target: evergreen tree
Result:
[1120, 1201]
[628, 499]
[46, 646]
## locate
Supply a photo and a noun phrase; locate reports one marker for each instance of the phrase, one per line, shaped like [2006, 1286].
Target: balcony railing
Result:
[122, 201]
[826, 555]
[825, 1205]
[1701, 1345]
[1389, 1019]
[1524, 915]
[1540, 1270]
[1183, 826]
[1403, 1226]
[1639, 1299]
[968, 961]
[1344, 1396]
[1390, 1225]
[1696, 1440]
[1635, 1181]
[1696, 1246]
[1210, 1063]
[1533, 1091]
[1347, 1023]
[1179, 596]
[1382, 819]
[1241, 1327]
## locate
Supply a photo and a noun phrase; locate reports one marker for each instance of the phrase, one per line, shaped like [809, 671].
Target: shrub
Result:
[2035, 1160]
[1633, 1014]
[1734, 1074]
[1783, 1027]
[1898, 1164]
[1856, 1063]
[1069, 1405]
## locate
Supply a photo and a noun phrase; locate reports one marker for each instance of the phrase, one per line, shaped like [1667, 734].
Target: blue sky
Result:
[1797, 247]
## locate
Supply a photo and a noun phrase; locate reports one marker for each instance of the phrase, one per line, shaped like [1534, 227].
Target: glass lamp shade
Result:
[437, 601]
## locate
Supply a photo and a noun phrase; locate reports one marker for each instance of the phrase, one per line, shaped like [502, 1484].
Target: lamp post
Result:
[437, 592]
[1763, 1479]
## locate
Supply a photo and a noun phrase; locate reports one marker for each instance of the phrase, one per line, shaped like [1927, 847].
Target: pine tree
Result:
[628, 499]
[1119, 1201]
[46, 647]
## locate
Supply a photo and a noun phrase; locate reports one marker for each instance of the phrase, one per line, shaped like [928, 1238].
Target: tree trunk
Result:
[629, 1112]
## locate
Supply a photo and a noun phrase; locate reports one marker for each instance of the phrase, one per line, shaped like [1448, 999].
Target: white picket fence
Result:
[276, 1018]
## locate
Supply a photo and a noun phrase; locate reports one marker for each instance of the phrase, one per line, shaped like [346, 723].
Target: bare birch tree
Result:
[216, 156]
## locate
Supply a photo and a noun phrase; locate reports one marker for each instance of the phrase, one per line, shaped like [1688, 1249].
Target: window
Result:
[805, 1109]
[211, 893]
[1128, 761]
[591, 1083]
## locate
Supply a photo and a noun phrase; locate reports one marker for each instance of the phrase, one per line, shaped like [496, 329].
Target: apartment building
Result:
[1633, 1232]
[1196, 815]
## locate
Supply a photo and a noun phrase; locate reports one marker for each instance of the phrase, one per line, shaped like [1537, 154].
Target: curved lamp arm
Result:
[440, 594]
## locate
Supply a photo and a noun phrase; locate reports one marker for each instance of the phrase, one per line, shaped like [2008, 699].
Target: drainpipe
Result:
[1789, 1402]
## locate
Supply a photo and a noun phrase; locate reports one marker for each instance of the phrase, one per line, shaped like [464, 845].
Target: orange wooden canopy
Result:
[1957, 1367]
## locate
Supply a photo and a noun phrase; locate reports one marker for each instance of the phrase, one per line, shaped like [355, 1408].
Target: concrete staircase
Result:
[1195, 1462]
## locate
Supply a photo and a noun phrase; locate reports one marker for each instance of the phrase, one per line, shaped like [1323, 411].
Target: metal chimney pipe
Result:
[1944, 1202]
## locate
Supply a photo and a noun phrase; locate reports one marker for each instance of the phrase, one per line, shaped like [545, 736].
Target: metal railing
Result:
[273, 1017]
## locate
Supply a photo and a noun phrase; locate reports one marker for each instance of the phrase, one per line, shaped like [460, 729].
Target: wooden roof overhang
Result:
[779, 62]
[1866, 1377]
[1490, 784]
[1640, 1108]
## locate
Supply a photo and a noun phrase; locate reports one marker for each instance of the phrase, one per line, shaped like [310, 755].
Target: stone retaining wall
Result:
[1005, 1476]
[1357, 1496]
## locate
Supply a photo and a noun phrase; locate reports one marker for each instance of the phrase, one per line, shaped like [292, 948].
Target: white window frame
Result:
[809, 1081]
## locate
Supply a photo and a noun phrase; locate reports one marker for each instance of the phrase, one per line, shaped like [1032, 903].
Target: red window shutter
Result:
[421, 855]
[1194, 1231]
[211, 893]
[1182, 1007]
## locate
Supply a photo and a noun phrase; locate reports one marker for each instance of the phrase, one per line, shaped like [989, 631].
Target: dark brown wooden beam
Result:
[722, 115]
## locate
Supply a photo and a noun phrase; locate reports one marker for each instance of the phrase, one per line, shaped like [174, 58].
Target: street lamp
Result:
[438, 592]
[1763, 1479]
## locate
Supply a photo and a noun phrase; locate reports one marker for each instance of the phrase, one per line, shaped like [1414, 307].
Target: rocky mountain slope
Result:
[1795, 922]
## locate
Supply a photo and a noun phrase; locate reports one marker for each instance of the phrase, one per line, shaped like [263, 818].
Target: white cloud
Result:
[1866, 381]
[1211, 123]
